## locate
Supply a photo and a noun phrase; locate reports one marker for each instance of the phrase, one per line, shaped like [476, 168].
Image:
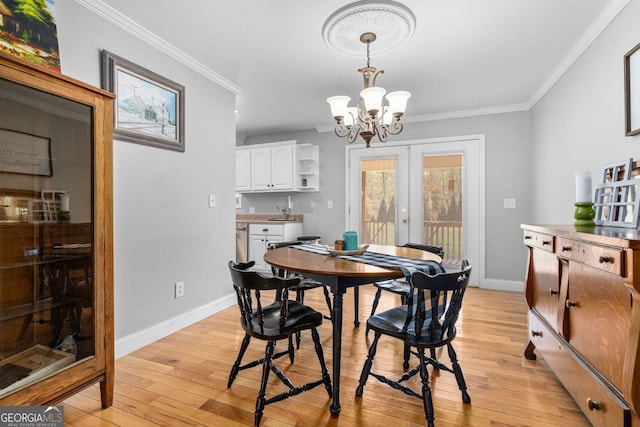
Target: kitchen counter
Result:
[267, 218]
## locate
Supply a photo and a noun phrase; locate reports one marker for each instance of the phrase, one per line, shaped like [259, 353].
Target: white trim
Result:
[503, 285]
[133, 28]
[143, 337]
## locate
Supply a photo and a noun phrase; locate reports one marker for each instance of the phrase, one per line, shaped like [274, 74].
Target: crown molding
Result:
[133, 28]
[590, 35]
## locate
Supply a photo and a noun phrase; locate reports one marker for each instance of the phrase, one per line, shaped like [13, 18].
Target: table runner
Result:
[406, 265]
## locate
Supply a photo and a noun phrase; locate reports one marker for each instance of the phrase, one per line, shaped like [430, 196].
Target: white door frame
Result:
[473, 149]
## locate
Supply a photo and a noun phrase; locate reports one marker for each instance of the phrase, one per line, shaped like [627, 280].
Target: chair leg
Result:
[407, 354]
[327, 298]
[462, 385]
[323, 366]
[374, 306]
[427, 400]
[366, 369]
[236, 366]
[266, 368]
[300, 299]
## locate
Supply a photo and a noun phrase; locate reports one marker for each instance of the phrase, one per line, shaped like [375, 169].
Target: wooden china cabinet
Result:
[583, 292]
[56, 250]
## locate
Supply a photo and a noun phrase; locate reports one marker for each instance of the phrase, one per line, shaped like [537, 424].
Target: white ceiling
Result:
[466, 56]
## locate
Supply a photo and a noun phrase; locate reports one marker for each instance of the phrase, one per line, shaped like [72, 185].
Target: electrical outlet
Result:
[329, 204]
[509, 203]
[313, 204]
[252, 210]
[212, 200]
[179, 289]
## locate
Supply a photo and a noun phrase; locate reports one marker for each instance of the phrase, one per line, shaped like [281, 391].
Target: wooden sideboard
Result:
[582, 289]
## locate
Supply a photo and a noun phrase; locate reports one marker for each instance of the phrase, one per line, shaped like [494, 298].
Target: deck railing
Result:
[447, 234]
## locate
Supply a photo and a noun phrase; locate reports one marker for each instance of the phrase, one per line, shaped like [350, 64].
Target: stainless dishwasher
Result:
[242, 242]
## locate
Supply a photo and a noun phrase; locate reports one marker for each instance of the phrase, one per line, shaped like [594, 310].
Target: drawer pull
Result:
[566, 249]
[546, 242]
[552, 292]
[536, 333]
[593, 404]
[266, 229]
[527, 237]
[605, 259]
[570, 304]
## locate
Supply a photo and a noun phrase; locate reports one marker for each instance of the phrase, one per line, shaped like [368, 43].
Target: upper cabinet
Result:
[280, 166]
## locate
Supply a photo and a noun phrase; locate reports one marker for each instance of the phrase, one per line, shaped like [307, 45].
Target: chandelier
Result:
[370, 117]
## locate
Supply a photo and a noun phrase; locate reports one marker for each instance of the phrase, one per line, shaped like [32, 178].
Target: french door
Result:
[427, 191]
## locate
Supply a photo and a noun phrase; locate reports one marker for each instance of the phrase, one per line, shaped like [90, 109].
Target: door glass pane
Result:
[46, 235]
[378, 207]
[443, 204]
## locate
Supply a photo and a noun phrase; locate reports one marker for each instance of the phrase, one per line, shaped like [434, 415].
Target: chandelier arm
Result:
[375, 76]
[341, 130]
[381, 132]
[395, 127]
[352, 135]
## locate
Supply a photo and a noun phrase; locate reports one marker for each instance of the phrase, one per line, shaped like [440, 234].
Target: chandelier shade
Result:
[370, 117]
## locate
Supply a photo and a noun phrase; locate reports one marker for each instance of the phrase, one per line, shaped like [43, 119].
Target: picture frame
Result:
[616, 198]
[632, 91]
[24, 153]
[149, 108]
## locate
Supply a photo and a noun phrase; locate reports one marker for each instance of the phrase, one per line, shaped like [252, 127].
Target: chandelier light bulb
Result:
[398, 101]
[372, 97]
[338, 105]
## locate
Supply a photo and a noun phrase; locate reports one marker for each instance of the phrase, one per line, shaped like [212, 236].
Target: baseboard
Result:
[139, 339]
[503, 285]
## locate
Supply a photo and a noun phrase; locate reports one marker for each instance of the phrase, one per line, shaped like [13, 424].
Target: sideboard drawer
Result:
[539, 240]
[601, 257]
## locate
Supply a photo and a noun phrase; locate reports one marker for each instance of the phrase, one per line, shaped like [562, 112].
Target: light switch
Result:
[509, 203]
[329, 204]
[212, 200]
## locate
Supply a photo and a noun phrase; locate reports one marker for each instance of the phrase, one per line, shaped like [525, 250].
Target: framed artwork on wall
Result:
[149, 108]
[632, 91]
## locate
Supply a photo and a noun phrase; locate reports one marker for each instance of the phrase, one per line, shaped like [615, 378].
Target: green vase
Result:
[584, 214]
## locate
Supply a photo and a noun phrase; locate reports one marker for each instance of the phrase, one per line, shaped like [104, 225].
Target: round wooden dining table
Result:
[340, 274]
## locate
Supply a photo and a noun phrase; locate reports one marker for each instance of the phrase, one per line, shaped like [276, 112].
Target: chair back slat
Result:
[434, 304]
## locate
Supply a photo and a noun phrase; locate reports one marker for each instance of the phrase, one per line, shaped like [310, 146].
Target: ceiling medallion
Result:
[392, 22]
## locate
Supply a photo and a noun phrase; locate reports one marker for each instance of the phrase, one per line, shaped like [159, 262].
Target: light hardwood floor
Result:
[181, 380]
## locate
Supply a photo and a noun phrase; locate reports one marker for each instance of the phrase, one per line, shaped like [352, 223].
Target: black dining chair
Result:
[273, 321]
[400, 286]
[305, 284]
[427, 320]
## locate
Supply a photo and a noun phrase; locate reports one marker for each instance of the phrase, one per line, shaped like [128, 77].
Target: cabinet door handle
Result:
[552, 292]
[605, 259]
[566, 249]
[536, 333]
[546, 242]
[570, 304]
[593, 404]
[265, 230]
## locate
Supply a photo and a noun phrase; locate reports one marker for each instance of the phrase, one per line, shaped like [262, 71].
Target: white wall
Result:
[579, 124]
[164, 230]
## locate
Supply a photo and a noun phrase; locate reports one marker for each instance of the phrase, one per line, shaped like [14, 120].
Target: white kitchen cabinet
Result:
[272, 168]
[261, 235]
[243, 170]
[277, 167]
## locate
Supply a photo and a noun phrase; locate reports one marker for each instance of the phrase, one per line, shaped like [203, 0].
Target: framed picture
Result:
[25, 153]
[632, 91]
[149, 108]
[616, 200]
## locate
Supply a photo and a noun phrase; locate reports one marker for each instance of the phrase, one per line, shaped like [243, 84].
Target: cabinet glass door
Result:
[46, 235]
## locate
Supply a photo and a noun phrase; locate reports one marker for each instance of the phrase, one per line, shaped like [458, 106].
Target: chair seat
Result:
[299, 317]
[399, 287]
[391, 322]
